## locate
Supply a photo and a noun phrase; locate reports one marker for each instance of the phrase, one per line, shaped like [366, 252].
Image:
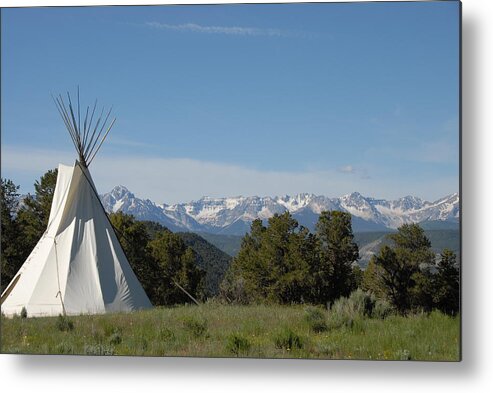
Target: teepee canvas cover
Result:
[78, 265]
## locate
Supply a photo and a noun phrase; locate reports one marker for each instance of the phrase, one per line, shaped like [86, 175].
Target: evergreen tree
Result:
[177, 268]
[33, 216]
[247, 278]
[283, 257]
[333, 275]
[211, 259]
[273, 263]
[372, 279]
[291, 282]
[447, 283]
[401, 264]
[358, 276]
[422, 291]
[12, 255]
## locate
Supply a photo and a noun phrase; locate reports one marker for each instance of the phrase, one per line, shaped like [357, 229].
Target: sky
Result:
[228, 100]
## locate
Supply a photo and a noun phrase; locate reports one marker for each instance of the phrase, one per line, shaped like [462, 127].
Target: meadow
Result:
[258, 331]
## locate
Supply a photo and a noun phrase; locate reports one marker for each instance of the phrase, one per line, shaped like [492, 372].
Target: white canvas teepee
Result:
[78, 266]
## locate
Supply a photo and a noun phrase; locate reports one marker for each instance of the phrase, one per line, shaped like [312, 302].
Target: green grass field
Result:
[219, 330]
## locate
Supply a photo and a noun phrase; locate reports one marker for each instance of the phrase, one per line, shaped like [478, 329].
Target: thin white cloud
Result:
[227, 30]
[347, 169]
[352, 170]
[172, 180]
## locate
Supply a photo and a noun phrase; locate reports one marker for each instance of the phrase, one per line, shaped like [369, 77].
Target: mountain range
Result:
[233, 216]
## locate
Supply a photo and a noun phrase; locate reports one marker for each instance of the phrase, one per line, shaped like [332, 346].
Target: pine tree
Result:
[333, 275]
[402, 264]
[372, 279]
[447, 283]
[358, 277]
[291, 283]
[247, 278]
[177, 268]
[33, 216]
[273, 263]
[422, 292]
[284, 264]
[12, 255]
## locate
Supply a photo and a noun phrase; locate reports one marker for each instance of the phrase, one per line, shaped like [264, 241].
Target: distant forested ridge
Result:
[210, 259]
[369, 243]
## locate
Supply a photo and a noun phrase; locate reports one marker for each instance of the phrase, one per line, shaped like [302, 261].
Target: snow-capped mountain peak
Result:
[119, 192]
[295, 203]
[358, 206]
[234, 214]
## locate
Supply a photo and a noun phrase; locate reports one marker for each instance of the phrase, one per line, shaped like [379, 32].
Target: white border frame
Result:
[82, 374]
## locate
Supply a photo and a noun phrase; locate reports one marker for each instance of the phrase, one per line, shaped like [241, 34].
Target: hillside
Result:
[210, 258]
[230, 244]
[216, 250]
[368, 242]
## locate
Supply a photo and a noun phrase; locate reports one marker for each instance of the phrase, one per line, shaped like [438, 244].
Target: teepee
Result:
[78, 265]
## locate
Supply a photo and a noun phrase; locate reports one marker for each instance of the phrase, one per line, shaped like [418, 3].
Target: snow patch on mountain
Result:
[220, 215]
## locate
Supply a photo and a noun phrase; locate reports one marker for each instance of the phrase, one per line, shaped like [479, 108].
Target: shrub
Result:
[234, 289]
[196, 327]
[64, 348]
[238, 344]
[16, 350]
[99, 350]
[64, 324]
[326, 350]
[115, 338]
[362, 302]
[345, 311]
[316, 320]
[337, 321]
[382, 309]
[287, 339]
[23, 313]
[350, 311]
[403, 354]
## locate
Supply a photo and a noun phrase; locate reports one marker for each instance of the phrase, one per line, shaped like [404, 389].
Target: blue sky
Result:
[241, 99]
